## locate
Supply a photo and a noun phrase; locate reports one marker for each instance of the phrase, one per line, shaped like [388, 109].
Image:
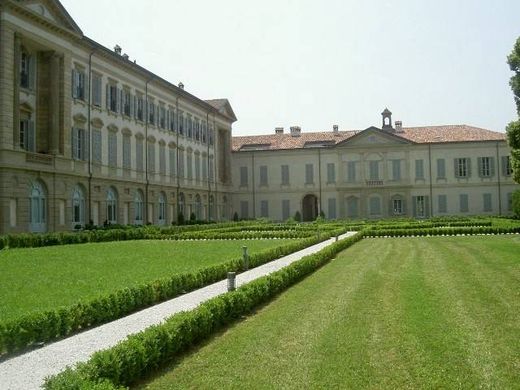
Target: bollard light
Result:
[231, 281]
[245, 257]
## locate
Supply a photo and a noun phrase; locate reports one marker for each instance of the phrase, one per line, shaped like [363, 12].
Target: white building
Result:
[373, 173]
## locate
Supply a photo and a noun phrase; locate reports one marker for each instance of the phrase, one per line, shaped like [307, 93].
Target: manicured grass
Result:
[440, 312]
[35, 279]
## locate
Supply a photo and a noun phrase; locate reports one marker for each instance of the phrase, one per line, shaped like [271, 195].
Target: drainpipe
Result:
[431, 185]
[177, 156]
[147, 183]
[253, 182]
[207, 169]
[89, 135]
[499, 184]
[319, 179]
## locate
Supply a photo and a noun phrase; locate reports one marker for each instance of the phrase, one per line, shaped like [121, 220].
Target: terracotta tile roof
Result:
[425, 134]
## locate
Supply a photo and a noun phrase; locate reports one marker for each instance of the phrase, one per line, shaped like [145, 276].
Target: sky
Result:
[314, 64]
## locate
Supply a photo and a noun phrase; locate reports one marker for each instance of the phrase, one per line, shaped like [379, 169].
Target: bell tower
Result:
[387, 120]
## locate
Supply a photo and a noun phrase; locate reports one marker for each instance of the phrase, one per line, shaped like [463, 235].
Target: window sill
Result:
[80, 101]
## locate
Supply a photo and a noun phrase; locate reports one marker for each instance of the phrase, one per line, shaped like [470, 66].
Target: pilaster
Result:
[7, 82]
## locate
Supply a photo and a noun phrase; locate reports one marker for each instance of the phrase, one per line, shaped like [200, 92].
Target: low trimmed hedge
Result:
[145, 352]
[448, 231]
[23, 332]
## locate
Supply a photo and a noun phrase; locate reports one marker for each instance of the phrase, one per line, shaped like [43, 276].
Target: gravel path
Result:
[29, 370]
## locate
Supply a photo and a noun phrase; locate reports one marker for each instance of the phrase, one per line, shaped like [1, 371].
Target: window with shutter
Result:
[506, 166]
[151, 157]
[374, 170]
[162, 159]
[264, 209]
[331, 174]
[419, 169]
[96, 89]
[286, 209]
[486, 166]
[309, 174]
[173, 162]
[375, 205]
[351, 171]
[396, 170]
[441, 168]
[96, 145]
[263, 175]
[243, 177]
[197, 167]
[25, 69]
[352, 207]
[285, 175]
[462, 167]
[112, 149]
[189, 166]
[332, 208]
[181, 163]
[126, 152]
[139, 161]
[487, 205]
[442, 203]
[463, 203]
[204, 168]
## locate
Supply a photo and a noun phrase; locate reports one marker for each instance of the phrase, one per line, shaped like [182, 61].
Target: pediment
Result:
[373, 136]
[52, 11]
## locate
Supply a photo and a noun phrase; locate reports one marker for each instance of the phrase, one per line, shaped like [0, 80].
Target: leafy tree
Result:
[516, 203]
[513, 129]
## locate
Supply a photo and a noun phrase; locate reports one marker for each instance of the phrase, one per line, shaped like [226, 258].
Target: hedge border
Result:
[144, 352]
[24, 332]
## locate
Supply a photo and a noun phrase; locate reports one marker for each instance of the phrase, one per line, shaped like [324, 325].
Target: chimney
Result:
[125, 56]
[398, 126]
[335, 129]
[278, 130]
[117, 49]
[296, 131]
[181, 85]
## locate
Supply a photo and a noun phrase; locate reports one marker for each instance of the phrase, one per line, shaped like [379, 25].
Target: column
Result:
[54, 104]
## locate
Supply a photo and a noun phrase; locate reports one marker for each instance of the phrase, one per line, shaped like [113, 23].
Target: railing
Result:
[39, 158]
[374, 183]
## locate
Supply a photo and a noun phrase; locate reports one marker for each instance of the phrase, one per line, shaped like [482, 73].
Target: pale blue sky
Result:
[319, 63]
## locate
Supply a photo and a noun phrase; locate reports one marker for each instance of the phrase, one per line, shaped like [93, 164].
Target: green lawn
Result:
[387, 313]
[35, 279]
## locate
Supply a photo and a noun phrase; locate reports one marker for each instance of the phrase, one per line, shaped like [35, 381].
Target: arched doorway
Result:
[310, 207]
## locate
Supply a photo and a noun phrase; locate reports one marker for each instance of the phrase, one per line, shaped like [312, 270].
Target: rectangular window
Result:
[487, 202]
[332, 208]
[173, 162]
[396, 170]
[264, 209]
[139, 108]
[127, 162]
[181, 163]
[309, 174]
[373, 170]
[162, 117]
[351, 171]
[352, 207]
[78, 84]
[151, 112]
[151, 157]
[127, 102]
[26, 62]
[139, 160]
[397, 206]
[286, 209]
[331, 173]
[27, 135]
[486, 166]
[204, 168]
[189, 128]
[162, 159]
[112, 149]
[420, 206]
[197, 167]
[285, 175]
[443, 203]
[506, 166]
[441, 168]
[112, 98]
[419, 169]
[79, 144]
[96, 146]
[244, 209]
[197, 129]
[375, 206]
[181, 123]
[462, 167]
[96, 89]
[189, 166]
[263, 175]
[243, 177]
[463, 203]
[171, 118]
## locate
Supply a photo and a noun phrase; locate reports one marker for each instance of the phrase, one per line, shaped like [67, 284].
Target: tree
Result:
[513, 129]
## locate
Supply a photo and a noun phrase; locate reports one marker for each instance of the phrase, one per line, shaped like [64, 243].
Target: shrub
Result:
[297, 216]
[235, 217]
[516, 203]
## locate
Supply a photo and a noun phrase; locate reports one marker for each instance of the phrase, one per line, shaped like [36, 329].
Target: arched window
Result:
[139, 207]
[37, 208]
[111, 206]
[161, 215]
[198, 207]
[78, 206]
[182, 204]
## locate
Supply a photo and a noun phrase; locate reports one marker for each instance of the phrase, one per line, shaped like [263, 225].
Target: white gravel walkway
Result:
[29, 370]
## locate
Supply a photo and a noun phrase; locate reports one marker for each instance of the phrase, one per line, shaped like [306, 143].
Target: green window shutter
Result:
[32, 72]
[480, 167]
[31, 137]
[491, 166]
[456, 167]
[468, 166]
[74, 79]
[504, 165]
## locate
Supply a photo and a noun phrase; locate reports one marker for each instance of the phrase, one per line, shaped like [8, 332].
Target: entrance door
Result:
[310, 207]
